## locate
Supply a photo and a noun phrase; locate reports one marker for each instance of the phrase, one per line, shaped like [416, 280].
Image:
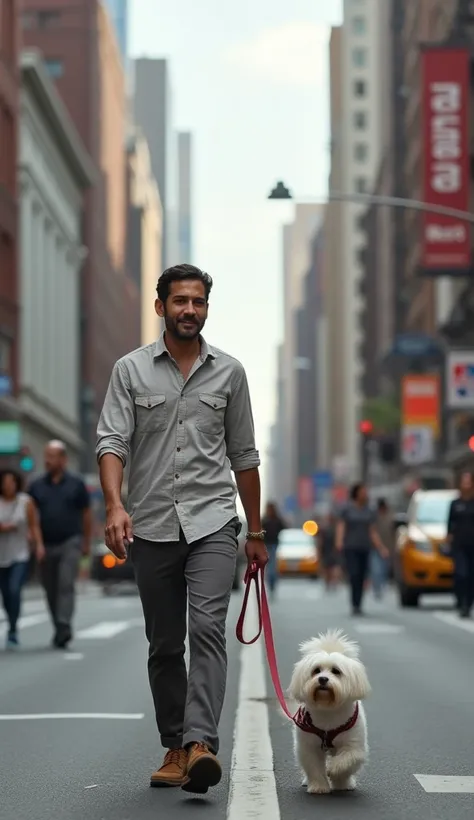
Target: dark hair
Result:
[16, 478]
[355, 489]
[181, 273]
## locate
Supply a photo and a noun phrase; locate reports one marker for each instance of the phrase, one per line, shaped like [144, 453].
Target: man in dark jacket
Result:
[461, 538]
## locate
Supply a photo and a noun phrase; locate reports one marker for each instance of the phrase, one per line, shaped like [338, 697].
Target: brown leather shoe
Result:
[173, 770]
[203, 769]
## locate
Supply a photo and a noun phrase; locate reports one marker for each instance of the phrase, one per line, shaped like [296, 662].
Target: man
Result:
[65, 518]
[461, 539]
[179, 411]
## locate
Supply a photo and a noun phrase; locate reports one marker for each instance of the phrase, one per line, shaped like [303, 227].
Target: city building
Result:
[81, 54]
[9, 96]
[54, 170]
[153, 113]
[297, 250]
[118, 10]
[363, 55]
[144, 233]
[185, 196]
[333, 275]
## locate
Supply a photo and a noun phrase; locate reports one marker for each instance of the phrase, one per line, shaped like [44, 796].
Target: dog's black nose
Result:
[323, 681]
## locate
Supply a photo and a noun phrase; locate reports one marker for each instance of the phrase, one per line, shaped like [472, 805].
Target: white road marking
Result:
[379, 629]
[74, 716]
[73, 656]
[26, 621]
[454, 620]
[444, 784]
[104, 629]
[252, 790]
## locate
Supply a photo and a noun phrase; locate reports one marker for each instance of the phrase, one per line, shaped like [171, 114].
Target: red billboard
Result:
[446, 246]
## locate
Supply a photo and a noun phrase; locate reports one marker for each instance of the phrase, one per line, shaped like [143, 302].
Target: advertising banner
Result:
[417, 445]
[446, 241]
[460, 380]
[421, 402]
[305, 492]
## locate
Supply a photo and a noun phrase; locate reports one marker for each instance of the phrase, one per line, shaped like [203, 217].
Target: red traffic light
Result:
[471, 443]
[366, 427]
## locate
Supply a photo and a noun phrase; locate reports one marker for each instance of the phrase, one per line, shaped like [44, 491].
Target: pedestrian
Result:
[356, 536]
[273, 525]
[379, 564]
[178, 411]
[19, 536]
[65, 518]
[328, 555]
[461, 540]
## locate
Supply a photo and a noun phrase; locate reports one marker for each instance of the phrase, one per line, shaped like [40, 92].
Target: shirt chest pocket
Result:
[211, 413]
[151, 414]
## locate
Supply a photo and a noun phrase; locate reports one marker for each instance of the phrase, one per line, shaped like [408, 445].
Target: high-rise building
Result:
[153, 113]
[362, 60]
[119, 12]
[185, 196]
[79, 45]
[9, 97]
[144, 232]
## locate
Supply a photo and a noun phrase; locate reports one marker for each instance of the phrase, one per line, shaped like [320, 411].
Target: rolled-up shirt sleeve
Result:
[117, 419]
[239, 426]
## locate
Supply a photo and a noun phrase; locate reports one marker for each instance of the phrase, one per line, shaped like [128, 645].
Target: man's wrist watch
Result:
[256, 536]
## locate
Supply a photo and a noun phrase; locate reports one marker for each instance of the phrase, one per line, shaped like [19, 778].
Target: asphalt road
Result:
[78, 740]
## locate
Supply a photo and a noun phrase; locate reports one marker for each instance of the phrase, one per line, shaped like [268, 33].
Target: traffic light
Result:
[471, 443]
[366, 427]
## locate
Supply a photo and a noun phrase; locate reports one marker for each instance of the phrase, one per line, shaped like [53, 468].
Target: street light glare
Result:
[310, 527]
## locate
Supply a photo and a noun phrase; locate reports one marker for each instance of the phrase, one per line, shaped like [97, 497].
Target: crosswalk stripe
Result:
[104, 629]
[446, 784]
[25, 622]
[454, 620]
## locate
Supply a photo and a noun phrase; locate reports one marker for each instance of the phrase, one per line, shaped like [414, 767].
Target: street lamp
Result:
[282, 193]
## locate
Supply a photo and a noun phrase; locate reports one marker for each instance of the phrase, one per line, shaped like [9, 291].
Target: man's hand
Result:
[118, 529]
[40, 553]
[256, 552]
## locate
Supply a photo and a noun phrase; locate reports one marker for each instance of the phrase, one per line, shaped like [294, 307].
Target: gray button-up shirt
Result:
[180, 438]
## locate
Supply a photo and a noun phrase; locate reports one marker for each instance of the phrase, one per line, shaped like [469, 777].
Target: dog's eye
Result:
[336, 671]
[317, 671]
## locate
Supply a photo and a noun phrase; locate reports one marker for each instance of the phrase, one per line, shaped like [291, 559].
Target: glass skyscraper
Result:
[118, 10]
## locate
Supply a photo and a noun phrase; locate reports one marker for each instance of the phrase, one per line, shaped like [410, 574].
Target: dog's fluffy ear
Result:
[334, 640]
[360, 685]
[298, 680]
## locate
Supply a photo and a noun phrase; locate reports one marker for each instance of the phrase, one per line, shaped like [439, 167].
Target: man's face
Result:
[185, 311]
[54, 460]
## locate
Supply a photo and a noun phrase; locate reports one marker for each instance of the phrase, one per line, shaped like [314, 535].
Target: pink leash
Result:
[257, 576]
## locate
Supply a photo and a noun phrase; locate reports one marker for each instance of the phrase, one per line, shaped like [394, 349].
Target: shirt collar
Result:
[207, 352]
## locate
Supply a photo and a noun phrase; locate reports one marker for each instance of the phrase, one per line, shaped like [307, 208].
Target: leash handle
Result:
[257, 576]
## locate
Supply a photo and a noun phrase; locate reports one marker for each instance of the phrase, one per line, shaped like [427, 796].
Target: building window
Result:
[54, 68]
[360, 88]
[48, 19]
[28, 19]
[5, 355]
[360, 185]
[359, 57]
[360, 151]
[359, 25]
[360, 119]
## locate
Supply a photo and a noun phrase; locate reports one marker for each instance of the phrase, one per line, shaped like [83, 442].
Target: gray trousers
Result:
[172, 576]
[58, 574]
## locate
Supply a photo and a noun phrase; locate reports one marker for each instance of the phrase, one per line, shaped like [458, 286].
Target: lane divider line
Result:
[252, 790]
[74, 716]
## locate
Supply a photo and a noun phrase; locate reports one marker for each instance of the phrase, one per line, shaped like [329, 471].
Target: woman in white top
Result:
[18, 530]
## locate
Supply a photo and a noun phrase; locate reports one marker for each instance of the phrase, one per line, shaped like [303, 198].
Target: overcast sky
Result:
[250, 80]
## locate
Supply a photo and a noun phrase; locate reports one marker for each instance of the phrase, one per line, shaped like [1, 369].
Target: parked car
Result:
[297, 553]
[423, 564]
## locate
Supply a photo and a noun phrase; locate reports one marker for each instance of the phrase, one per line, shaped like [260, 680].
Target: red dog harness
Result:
[303, 721]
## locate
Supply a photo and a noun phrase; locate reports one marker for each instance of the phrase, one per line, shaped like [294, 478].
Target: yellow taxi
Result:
[422, 558]
[297, 553]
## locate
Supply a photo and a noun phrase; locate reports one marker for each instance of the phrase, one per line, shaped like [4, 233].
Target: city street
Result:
[78, 740]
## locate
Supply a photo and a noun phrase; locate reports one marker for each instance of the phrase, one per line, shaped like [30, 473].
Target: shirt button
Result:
[181, 421]
[177, 475]
[178, 449]
[176, 502]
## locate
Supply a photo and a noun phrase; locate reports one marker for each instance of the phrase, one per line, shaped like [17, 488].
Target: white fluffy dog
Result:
[328, 684]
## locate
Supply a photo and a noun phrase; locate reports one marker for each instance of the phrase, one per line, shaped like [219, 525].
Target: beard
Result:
[183, 329]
